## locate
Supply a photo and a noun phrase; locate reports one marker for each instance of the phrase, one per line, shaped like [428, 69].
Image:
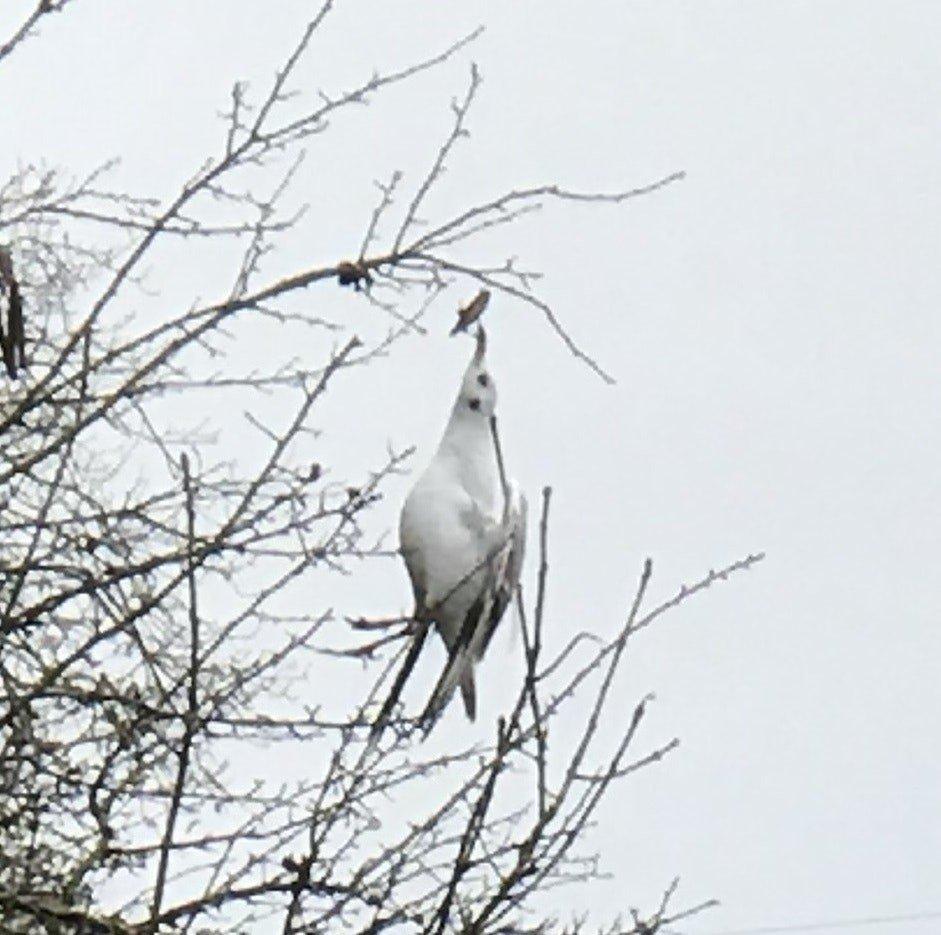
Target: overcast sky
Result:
[773, 324]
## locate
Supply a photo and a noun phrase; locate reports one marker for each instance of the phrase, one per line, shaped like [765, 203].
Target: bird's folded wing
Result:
[434, 522]
[442, 531]
[504, 565]
[508, 568]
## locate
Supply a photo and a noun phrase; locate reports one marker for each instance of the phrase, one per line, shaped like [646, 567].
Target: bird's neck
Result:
[468, 444]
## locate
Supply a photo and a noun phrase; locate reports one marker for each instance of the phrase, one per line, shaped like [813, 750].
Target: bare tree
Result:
[150, 626]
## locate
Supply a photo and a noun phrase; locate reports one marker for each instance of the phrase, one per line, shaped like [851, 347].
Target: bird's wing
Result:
[443, 533]
[509, 566]
[503, 566]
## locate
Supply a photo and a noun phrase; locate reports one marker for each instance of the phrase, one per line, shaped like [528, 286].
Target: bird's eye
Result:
[474, 403]
[483, 379]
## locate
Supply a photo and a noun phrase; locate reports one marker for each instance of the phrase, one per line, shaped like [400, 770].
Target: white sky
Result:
[773, 323]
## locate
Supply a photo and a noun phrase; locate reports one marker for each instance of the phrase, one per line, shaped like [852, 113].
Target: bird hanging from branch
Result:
[462, 532]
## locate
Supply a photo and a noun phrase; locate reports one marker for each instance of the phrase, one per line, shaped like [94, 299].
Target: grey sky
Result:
[774, 327]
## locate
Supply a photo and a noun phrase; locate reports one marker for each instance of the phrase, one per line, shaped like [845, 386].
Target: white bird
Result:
[462, 536]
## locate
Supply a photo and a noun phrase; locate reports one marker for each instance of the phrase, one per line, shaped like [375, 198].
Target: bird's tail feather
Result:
[411, 658]
[469, 694]
[458, 671]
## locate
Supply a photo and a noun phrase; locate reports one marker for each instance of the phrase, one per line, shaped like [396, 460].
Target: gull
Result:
[462, 533]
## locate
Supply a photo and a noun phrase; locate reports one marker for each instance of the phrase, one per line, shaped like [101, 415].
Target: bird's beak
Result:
[481, 345]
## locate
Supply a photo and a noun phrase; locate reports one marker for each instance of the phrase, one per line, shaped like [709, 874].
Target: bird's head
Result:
[478, 395]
